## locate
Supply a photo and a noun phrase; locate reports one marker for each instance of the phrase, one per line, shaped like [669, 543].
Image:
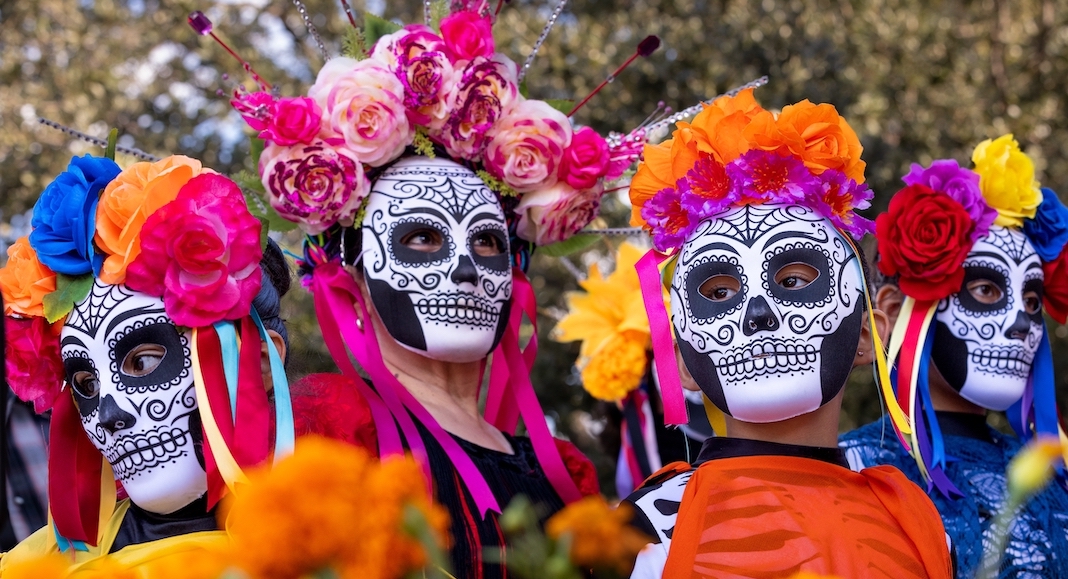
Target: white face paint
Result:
[130, 372]
[767, 305]
[435, 256]
[986, 335]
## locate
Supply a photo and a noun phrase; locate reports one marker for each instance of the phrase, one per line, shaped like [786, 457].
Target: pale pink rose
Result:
[485, 92]
[417, 56]
[467, 35]
[527, 146]
[254, 107]
[556, 213]
[314, 185]
[363, 104]
[292, 121]
[585, 160]
[408, 42]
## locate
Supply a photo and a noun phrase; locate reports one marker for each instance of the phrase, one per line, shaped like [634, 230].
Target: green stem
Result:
[113, 139]
[1001, 526]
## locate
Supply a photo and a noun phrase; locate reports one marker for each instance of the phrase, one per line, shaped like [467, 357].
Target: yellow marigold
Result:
[331, 505]
[1032, 468]
[126, 203]
[52, 566]
[617, 367]
[1007, 180]
[193, 564]
[25, 281]
[103, 568]
[601, 537]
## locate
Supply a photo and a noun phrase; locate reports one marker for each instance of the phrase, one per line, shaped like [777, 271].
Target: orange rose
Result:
[128, 200]
[25, 281]
[828, 141]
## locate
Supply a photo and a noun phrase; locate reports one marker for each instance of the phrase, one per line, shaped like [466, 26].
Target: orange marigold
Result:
[601, 537]
[201, 563]
[617, 367]
[25, 281]
[51, 566]
[126, 203]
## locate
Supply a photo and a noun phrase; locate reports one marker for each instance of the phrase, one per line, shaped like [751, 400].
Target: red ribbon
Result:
[74, 473]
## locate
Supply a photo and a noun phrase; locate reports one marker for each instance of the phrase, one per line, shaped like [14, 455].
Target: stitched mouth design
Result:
[460, 309]
[1015, 362]
[132, 455]
[766, 356]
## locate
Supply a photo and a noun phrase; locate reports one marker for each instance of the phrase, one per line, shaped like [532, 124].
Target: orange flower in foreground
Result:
[601, 537]
[53, 566]
[126, 203]
[25, 281]
[829, 141]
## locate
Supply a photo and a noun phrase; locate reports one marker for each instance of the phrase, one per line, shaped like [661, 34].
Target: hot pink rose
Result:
[467, 35]
[34, 365]
[201, 254]
[363, 108]
[292, 121]
[417, 56]
[254, 107]
[556, 213]
[527, 146]
[484, 93]
[314, 185]
[586, 160]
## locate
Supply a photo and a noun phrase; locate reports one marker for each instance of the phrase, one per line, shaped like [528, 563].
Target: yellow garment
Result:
[43, 542]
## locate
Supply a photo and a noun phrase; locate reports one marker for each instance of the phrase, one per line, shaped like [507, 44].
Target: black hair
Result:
[276, 282]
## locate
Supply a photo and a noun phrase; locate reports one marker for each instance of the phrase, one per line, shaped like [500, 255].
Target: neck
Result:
[816, 428]
[944, 398]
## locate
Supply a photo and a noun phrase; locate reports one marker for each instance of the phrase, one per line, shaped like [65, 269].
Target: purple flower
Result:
[961, 185]
[767, 177]
[668, 218]
[837, 198]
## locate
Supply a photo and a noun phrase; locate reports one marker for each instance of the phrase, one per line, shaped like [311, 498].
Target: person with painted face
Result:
[770, 313]
[968, 257]
[128, 298]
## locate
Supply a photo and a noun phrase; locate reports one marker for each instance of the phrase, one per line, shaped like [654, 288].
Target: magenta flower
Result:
[417, 56]
[585, 161]
[314, 185]
[485, 93]
[254, 107]
[293, 121]
[837, 198]
[767, 177]
[467, 36]
[664, 213]
[962, 185]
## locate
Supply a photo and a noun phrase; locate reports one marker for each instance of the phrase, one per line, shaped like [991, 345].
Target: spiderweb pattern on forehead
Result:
[88, 317]
[1011, 242]
[455, 189]
[753, 222]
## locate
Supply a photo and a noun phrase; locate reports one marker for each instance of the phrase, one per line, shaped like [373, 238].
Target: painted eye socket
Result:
[85, 383]
[984, 291]
[794, 276]
[426, 240]
[143, 360]
[1032, 303]
[486, 244]
[720, 288]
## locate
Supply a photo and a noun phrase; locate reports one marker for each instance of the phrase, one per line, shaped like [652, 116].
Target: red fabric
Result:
[74, 471]
[579, 467]
[252, 422]
[329, 405]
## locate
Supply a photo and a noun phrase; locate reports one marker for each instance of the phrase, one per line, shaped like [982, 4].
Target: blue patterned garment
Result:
[977, 457]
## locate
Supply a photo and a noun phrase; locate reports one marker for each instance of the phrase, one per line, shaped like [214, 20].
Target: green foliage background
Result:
[918, 79]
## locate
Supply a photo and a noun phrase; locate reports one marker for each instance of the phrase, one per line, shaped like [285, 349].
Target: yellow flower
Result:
[52, 566]
[201, 563]
[1032, 468]
[617, 367]
[601, 537]
[1007, 180]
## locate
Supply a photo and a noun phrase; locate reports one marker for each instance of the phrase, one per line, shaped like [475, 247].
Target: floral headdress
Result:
[925, 236]
[736, 153]
[171, 229]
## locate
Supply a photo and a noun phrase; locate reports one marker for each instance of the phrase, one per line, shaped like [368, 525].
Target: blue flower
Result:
[64, 218]
[1048, 231]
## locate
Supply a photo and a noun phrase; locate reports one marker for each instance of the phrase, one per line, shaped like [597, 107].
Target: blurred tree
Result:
[918, 80]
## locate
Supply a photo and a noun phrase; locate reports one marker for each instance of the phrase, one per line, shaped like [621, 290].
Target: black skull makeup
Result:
[436, 259]
[986, 335]
[767, 305]
[130, 372]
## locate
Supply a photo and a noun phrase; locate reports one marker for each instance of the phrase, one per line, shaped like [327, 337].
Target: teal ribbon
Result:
[230, 357]
[285, 436]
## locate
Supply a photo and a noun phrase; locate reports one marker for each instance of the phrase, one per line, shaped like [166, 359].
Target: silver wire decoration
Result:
[426, 12]
[311, 28]
[541, 39]
[615, 231]
[96, 140]
[667, 121]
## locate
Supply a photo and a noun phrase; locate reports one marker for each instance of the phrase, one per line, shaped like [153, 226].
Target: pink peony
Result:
[201, 254]
[314, 185]
[292, 121]
[32, 357]
[585, 161]
[467, 36]
[363, 108]
[254, 107]
[485, 91]
[527, 146]
[556, 213]
[418, 58]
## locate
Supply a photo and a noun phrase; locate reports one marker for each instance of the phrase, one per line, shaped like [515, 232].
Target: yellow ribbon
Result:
[224, 459]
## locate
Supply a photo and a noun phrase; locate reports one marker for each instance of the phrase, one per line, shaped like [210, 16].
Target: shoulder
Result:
[656, 503]
[40, 543]
[579, 467]
[330, 405]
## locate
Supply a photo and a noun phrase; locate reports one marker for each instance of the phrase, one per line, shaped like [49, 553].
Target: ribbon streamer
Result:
[667, 369]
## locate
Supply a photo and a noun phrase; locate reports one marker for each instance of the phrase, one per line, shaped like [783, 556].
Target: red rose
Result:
[924, 237]
[585, 160]
[1055, 287]
[34, 366]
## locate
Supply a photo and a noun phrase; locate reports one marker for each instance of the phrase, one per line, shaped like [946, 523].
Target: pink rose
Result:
[556, 213]
[408, 42]
[201, 254]
[314, 185]
[32, 357]
[527, 146]
[254, 107]
[485, 91]
[467, 35]
[418, 58]
[363, 108]
[586, 160]
[292, 121]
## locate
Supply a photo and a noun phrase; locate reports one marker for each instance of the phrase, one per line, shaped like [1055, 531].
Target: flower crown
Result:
[736, 153]
[423, 90]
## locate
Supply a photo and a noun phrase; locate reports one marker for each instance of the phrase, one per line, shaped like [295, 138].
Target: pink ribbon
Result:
[501, 410]
[667, 369]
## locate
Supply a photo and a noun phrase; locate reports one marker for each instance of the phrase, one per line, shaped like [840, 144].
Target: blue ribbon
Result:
[66, 544]
[284, 440]
[230, 358]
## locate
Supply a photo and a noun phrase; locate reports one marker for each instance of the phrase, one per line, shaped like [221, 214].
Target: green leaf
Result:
[113, 139]
[523, 90]
[255, 148]
[439, 9]
[249, 181]
[354, 45]
[577, 243]
[264, 228]
[375, 27]
[69, 291]
[278, 223]
[562, 105]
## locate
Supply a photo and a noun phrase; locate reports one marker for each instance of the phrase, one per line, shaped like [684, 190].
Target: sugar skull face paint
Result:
[986, 335]
[767, 304]
[435, 255]
[130, 372]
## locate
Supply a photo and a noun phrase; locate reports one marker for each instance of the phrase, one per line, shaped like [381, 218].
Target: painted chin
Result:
[141, 455]
[774, 397]
[993, 391]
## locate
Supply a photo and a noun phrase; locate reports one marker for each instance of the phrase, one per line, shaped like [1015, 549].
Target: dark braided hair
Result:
[276, 281]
